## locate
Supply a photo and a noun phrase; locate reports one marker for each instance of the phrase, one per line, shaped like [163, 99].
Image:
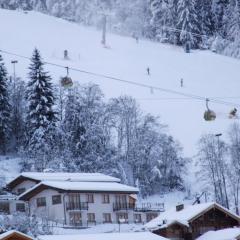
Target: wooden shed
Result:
[14, 235]
[190, 222]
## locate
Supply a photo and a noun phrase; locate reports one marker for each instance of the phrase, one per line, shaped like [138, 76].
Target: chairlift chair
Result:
[233, 114]
[209, 115]
[66, 81]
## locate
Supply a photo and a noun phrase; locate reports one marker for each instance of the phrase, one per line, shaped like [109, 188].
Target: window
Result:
[91, 217]
[20, 207]
[41, 202]
[56, 199]
[121, 198]
[106, 198]
[4, 207]
[151, 216]
[137, 218]
[75, 218]
[107, 218]
[21, 190]
[121, 216]
[90, 198]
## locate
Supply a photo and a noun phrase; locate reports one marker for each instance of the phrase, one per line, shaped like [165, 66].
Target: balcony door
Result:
[74, 200]
[74, 197]
[121, 199]
[121, 202]
[75, 218]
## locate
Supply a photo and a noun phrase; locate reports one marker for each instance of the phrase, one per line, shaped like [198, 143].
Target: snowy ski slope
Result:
[204, 73]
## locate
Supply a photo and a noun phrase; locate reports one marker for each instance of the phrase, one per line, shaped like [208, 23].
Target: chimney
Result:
[179, 207]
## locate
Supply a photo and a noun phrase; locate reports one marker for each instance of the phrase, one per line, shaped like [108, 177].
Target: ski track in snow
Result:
[204, 73]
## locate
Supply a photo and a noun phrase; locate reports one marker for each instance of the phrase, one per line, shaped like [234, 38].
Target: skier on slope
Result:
[148, 71]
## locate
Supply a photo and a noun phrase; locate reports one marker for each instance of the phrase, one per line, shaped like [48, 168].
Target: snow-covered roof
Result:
[224, 234]
[80, 187]
[185, 215]
[11, 233]
[7, 197]
[105, 236]
[61, 176]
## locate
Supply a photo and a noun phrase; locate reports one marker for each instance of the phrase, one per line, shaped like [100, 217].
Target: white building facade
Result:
[79, 199]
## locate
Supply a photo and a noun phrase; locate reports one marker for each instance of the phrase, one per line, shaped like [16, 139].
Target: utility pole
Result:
[181, 82]
[14, 72]
[104, 29]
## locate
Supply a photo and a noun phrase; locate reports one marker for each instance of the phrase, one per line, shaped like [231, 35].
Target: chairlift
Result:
[209, 115]
[233, 114]
[66, 81]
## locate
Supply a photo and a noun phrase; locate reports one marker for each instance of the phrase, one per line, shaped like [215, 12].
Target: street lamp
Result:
[14, 72]
[121, 220]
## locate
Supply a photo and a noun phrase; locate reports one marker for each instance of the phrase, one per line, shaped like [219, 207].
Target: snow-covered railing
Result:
[76, 206]
[123, 206]
[148, 207]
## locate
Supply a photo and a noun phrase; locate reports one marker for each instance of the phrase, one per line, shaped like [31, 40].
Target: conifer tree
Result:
[234, 21]
[205, 17]
[219, 7]
[187, 22]
[5, 108]
[160, 17]
[41, 118]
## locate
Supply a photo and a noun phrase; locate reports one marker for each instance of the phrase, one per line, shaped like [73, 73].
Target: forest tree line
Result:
[207, 24]
[219, 166]
[77, 130]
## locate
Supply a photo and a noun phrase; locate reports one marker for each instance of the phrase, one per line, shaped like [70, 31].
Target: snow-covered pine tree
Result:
[173, 20]
[218, 8]
[234, 20]
[205, 17]
[187, 23]
[17, 101]
[41, 117]
[160, 18]
[232, 29]
[5, 108]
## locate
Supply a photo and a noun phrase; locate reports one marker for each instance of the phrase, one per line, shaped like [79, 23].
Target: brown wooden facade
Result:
[14, 235]
[213, 219]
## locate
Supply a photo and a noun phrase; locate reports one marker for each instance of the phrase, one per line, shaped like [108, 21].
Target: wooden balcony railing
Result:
[76, 206]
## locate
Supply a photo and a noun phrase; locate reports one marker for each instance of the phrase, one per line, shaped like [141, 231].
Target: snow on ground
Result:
[170, 199]
[9, 168]
[101, 228]
[106, 236]
[224, 234]
[204, 73]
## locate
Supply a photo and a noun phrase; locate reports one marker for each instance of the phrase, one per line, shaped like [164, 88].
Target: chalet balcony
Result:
[123, 206]
[76, 206]
[150, 207]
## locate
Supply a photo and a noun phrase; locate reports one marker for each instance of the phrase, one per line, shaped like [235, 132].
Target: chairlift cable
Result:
[187, 95]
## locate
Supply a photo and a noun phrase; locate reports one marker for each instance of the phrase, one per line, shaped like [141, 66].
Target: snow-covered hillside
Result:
[204, 73]
[9, 168]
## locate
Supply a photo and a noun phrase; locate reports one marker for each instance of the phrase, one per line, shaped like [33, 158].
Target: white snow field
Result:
[105, 236]
[204, 73]
[9, 168]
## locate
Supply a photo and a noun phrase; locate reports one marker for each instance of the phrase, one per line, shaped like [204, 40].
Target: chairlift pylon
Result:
[66, 81]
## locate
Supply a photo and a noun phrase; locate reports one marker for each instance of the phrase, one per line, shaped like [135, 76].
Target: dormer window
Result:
[21, 190]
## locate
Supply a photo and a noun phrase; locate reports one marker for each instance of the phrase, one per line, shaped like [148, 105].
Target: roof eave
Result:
[41, 187]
